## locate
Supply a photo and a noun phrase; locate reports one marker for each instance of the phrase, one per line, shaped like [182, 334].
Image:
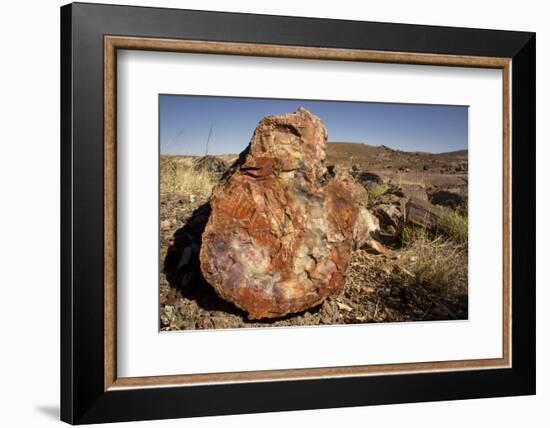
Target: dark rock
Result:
[210, 164]
[366, 177]
[447, 199]
[396, 191]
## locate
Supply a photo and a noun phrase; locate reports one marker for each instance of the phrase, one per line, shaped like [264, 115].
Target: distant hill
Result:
[379, 157]
[459, 154]
[372, 158]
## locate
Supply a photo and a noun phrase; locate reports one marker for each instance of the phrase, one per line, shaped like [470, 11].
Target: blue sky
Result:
[185, 122]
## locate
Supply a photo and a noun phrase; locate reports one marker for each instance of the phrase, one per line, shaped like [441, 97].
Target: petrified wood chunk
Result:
[422, 214]
[282, 229]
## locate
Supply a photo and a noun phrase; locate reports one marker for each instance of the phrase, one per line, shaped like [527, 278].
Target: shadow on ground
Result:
[182, 264]
[50, 411]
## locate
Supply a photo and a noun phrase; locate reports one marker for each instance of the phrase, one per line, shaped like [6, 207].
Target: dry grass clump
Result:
[436, 264]
[179, 177]
[411, 234]
[454, 225]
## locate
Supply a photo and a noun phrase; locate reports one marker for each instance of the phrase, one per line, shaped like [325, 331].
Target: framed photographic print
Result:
[265, 213]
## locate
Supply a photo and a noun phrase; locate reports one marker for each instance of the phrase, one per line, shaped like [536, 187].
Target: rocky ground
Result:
[388, 287]
[442, 178]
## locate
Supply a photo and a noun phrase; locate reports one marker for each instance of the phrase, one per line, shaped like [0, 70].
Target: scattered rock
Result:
[374, 247]
[167, 315]
[282, 229]
[210, 164]
[366, 234]
[367, 227]
[344, 307]
[390, 215]
[461, 167]
[447, 199]
[366, 177]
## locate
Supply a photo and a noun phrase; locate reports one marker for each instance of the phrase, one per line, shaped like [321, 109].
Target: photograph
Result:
[296, 212]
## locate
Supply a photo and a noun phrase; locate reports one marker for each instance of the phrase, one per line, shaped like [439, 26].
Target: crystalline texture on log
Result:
[281, 230]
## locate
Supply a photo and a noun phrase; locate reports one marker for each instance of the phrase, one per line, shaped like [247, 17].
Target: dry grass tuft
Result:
[411, 234]
[435, 264]
[179, 177]
[454, 225]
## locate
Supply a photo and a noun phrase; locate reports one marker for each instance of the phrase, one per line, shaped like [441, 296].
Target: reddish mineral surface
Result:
[282, 228]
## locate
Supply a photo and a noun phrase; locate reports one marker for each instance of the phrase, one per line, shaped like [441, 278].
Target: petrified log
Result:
[422, 214]
[282, 228]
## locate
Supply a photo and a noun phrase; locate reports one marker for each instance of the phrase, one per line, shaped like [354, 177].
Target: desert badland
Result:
[415, 268]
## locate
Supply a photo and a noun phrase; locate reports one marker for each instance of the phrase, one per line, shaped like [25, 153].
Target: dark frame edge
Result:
[66, 129]
[524, 215]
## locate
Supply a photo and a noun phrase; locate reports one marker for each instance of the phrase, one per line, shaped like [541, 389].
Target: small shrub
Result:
[376, 190]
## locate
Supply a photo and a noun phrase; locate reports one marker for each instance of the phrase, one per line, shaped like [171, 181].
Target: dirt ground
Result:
[371, 292]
